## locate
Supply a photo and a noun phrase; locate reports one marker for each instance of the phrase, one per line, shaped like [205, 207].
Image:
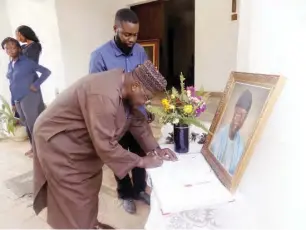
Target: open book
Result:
[187, 184]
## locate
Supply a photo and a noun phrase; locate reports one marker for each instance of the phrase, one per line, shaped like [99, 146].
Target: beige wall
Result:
[4, 32]
[274, 181]
[84, 25]
[41, 16]
[215, 44]
[70, 30]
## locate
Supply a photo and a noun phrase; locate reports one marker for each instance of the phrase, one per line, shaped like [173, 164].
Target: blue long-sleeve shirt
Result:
[22, 74]
[109, 56]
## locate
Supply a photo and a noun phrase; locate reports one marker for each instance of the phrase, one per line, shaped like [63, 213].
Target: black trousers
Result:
[128, 188]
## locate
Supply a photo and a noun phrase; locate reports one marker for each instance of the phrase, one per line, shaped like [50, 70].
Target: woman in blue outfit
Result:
[31, 48]
[25, 83]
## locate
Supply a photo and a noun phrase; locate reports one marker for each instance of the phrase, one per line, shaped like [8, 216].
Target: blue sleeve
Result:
[96, 63]
[143, 110]
[45, 73]
[144, 56]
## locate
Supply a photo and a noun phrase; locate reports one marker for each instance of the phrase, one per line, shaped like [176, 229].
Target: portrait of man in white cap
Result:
[228, 144]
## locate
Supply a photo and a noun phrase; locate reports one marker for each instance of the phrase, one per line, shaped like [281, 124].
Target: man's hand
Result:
[33, 88]
[150, 162]
[166, 154]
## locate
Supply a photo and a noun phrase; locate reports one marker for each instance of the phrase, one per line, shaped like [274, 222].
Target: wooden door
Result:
[153, 25]
[151, 18]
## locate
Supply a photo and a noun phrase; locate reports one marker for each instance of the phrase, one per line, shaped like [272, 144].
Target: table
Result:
[174, 206]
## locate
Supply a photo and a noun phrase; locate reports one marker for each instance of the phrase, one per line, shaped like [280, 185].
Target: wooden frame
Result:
[152, 49]
[234, 16]
[265, 89]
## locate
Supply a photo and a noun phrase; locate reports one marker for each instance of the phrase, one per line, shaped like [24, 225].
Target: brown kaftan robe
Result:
[73, 138]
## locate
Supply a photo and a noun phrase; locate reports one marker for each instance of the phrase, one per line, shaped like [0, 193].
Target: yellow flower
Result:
[164, 101]
[188, 109]
[165, 104]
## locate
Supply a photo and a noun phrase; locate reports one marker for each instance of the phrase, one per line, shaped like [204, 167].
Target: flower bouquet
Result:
[181, 109]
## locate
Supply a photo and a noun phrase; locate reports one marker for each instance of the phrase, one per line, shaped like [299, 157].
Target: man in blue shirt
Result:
[25, 83]
[123, 52]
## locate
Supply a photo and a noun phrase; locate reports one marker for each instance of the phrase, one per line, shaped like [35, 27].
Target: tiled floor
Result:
[15, 189]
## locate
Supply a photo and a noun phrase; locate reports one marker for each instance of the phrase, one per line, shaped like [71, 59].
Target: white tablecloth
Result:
[204, 205]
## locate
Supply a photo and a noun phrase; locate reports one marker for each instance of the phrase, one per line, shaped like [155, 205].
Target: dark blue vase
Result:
[181, 138]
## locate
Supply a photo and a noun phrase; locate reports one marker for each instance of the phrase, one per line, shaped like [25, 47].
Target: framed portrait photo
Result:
[246, 104]
[152, 49]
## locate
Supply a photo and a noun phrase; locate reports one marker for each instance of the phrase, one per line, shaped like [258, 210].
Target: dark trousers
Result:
[28, 131]
[29, 108]
[128, 188]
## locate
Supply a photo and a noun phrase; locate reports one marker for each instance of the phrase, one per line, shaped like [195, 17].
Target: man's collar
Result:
[118, 51]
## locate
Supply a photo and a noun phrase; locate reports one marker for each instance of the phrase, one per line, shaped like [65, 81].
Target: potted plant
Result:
[9, 124]
[181, 109]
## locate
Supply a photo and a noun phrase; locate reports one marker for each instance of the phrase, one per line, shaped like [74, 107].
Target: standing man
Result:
[123, 52]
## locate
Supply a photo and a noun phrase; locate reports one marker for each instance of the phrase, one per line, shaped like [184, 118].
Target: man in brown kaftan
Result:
[79, 132]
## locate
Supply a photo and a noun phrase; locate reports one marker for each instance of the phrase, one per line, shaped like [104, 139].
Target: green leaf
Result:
[158, 111]
[182, 83]
[194, 121]
[200, 92]
[185, 98]
[6, 106]
[7, 116]
[175, 92]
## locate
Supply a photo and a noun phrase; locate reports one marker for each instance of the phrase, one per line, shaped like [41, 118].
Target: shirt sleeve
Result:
[100, 123]
[142, 132]
[96, 63]
[144, 56]
[45, 73]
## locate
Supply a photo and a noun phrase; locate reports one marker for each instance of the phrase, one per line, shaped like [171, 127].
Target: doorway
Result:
[172, 22]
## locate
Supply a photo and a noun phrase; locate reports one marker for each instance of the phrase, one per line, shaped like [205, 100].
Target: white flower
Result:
[188, 93]
[175, 121]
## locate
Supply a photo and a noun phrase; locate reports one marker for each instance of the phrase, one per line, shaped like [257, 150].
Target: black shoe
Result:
[145, 197]
[129, 206]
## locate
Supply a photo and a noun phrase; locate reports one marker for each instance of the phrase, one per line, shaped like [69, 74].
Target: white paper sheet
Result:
[190, 169]
[187, 184]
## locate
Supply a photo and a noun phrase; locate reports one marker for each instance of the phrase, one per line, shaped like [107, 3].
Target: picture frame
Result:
[152, 49]
[245, 106]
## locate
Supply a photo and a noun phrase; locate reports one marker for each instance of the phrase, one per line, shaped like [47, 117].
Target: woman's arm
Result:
[45, 73]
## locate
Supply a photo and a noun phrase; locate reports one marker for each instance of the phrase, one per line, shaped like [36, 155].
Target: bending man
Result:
[79, 132]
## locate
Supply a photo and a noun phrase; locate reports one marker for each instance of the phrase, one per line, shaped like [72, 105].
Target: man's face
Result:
[11, 49]
[127, 32]
[138, 95]
[239, 117]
